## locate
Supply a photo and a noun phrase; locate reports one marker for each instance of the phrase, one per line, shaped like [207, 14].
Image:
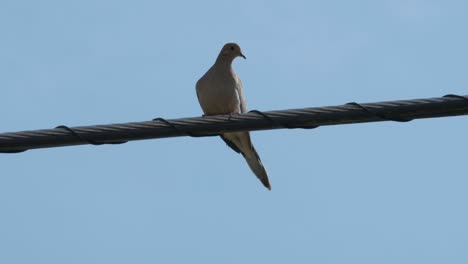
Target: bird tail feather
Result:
[257, 168]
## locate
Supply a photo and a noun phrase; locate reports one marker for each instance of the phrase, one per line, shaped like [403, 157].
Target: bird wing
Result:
[230, 144]
[240, 94]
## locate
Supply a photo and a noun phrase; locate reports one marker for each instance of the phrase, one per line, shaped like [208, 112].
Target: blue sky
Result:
[364, 193]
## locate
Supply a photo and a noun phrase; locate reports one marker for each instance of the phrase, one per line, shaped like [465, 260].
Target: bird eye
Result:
[232, 47]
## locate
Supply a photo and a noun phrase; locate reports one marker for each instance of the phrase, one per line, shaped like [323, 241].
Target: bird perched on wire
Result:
[219, 92]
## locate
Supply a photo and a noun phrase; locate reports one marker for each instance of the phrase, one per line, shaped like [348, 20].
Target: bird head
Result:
[230, 51]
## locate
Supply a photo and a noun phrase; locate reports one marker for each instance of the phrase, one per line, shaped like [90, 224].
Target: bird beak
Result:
[242, 55]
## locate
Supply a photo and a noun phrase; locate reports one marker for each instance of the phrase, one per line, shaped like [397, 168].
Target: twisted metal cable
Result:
[400, 111]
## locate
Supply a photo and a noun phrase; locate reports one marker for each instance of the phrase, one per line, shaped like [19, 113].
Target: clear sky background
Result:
[365, 193]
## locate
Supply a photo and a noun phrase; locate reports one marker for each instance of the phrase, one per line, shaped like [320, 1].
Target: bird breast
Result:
[218, 93]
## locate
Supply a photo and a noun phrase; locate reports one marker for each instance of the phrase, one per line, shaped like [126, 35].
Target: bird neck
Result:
[224, 60]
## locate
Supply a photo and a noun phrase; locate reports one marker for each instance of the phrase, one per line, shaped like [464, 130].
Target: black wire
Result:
[456, 96]
[182, 131]
[279, 124]
[380, 115]
[13, 151]
[86, 140]
[21, 141]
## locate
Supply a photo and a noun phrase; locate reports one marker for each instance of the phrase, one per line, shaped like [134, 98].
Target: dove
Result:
[219, 92]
